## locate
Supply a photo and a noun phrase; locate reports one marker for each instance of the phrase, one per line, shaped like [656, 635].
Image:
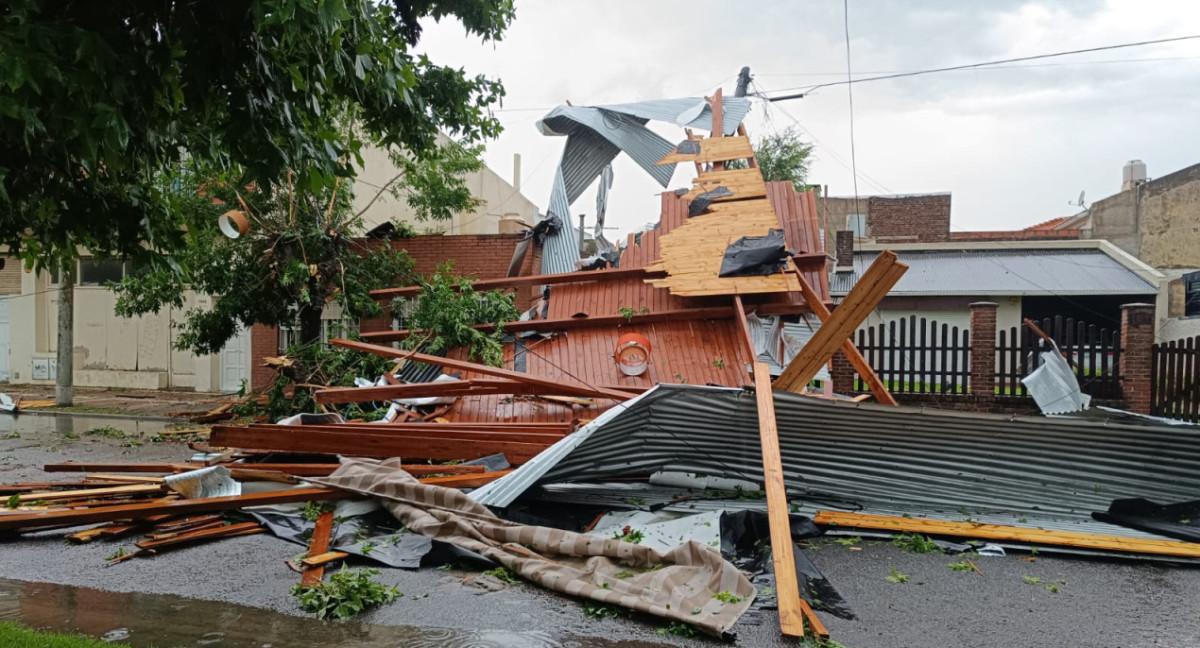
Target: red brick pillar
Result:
[983, 352]
[842, 373]
[1137, 336]
[264, 343]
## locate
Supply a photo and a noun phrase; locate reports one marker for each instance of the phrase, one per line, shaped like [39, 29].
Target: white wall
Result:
[498, 195]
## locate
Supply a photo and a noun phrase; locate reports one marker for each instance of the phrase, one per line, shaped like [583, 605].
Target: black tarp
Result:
[746, 542]
[1180, 520]
[752, 256]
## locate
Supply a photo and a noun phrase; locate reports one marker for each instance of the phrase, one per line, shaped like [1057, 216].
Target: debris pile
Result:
[680, 382]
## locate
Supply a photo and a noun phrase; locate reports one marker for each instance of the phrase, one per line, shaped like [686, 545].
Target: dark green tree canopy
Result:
[98, 98]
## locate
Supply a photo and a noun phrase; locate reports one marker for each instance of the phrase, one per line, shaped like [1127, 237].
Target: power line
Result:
[1150, 59]
[809, 89]
[850, 97]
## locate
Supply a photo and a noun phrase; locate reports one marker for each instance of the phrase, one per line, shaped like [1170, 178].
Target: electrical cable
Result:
[969, 66]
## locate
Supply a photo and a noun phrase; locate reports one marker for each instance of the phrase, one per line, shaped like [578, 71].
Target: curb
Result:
[127, 417]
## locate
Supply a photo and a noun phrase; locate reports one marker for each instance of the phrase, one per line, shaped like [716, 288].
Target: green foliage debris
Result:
[916, 543]
[502, 574]
[596, 610]
[345, 594]
[896, 576]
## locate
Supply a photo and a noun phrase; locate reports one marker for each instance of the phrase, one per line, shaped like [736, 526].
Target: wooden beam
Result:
[718, 124]
[854, 309]
[176, 507]
[860, 364]
[375, 445]
[430, 430]
[571, 323]
[1009, 533]
[529, 280]
[115, 491]
[300, 469]
[787, 588]
[319, 545]
[466, 481]
[497, 372]
[714, 149]
[244, 528]
[744, 324]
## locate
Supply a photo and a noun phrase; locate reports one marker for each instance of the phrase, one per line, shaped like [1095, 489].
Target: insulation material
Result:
[662, 531]
[214, 481]
[564, 561]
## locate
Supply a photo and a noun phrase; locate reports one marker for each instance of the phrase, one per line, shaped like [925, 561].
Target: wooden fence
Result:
[1094, 353]
[917, 356]
[1174, 388]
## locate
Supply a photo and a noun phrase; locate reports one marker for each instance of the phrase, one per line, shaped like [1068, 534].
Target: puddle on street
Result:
[166, 621]
[44, 427]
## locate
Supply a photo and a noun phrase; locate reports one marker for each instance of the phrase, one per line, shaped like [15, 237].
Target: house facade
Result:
[139, 353]
[1041, 271]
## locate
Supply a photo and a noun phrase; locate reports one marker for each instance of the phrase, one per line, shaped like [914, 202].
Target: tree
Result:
[100, 99]
[782, 156]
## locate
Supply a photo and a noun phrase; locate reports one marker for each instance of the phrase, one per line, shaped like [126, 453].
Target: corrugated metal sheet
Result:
[1004, 272]
[690, 112]
[624, 495]
[933, 462]
[685, 351]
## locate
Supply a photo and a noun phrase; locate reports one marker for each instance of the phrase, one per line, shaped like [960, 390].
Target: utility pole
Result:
[743, 82]
[64, 384]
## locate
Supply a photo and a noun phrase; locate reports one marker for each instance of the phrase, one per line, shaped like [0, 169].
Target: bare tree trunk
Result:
[64, 386]
[310, 325]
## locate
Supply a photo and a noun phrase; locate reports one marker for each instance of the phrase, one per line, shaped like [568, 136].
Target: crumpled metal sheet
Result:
[876, 457]
[213, 481]
[1054, 386]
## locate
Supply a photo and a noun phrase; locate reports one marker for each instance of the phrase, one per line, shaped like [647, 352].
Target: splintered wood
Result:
[744, 183]
[713, 149]
[692, 254]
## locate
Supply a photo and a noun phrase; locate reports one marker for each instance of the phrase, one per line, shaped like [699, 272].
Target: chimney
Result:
[845, 251]
[516, 183]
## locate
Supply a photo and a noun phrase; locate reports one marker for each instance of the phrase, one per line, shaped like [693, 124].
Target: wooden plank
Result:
[714, 149]
[431, 430]
[126, 478]
[115, 491]
[787, 588]
[244, 528]
[465, 481]
[854, 309]
[177, 507]
[299, 469]
[527, 280]
[375, 445]
[462, 365]
[573, 323]
[860, 364]
[744, 325]
[1009, 533]
[119, 466]
[744, 183]
[322, 559]
[319, 545]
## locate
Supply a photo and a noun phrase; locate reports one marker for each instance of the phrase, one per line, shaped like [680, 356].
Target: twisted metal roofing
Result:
[848, 455]
[1004, 272]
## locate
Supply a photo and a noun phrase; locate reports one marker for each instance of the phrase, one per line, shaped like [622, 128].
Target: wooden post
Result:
[787, 588]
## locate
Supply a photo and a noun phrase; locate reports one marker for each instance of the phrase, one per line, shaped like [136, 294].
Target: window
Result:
[857, 223]
[98, 272]
[1191, 294]
[331, 327]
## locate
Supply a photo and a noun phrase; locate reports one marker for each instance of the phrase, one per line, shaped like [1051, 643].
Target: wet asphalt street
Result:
[1051, 602]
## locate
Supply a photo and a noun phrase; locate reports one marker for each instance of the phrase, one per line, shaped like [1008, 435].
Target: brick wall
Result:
[264, 343]
[919, 219]
[485, 256]
[845, 249]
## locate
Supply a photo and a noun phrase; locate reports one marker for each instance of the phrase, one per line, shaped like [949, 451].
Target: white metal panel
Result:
[4, 345]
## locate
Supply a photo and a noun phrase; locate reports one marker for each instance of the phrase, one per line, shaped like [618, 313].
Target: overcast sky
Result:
[1013, 145]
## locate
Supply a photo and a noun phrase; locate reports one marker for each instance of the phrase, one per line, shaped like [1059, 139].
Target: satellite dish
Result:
[1078, 203]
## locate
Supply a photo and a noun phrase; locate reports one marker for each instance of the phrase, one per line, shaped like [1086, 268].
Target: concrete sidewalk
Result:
[119, 402]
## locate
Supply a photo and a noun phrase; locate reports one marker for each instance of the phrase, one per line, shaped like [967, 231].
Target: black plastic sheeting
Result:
[752, 256]
[1181, 521]
[688, 147]
[746, 542]
[700, 203]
